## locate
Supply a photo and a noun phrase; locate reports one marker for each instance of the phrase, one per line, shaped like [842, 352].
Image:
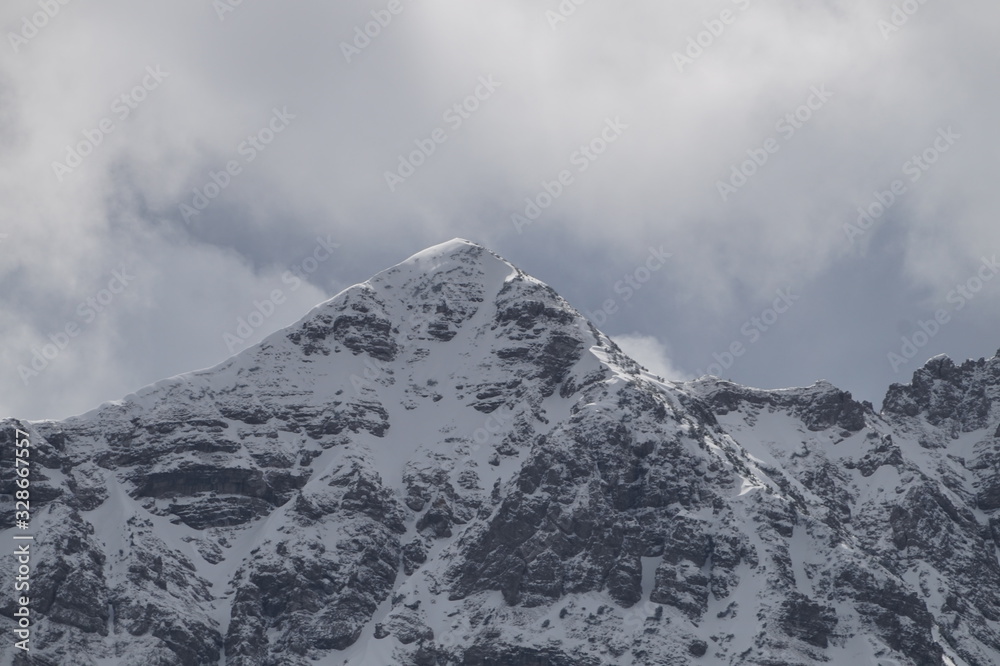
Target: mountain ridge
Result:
[448, 464]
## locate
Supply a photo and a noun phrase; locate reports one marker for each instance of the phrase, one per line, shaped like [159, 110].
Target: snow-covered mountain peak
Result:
[441, 263]
[454, 250]
[449, 465]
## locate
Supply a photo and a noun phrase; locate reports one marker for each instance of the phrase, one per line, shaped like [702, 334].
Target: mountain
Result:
[448, 464]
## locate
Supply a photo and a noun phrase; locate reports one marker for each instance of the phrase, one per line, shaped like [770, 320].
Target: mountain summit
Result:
[449, 465]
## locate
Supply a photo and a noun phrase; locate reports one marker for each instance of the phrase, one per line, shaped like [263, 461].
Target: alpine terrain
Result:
[449, 465]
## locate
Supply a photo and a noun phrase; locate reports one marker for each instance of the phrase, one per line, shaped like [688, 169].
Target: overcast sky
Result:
[739, 137]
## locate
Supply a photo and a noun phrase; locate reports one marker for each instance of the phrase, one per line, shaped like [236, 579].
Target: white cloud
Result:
[649, 352]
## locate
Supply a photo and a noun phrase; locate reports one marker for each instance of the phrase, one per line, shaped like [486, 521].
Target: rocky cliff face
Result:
[448, 465]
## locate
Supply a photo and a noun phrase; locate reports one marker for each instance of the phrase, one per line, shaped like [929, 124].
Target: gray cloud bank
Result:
[171, 169]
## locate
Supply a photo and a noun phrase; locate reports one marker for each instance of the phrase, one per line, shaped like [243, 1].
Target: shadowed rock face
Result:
[804, 619]
[959, 397]
[448, 465]
[823, 407]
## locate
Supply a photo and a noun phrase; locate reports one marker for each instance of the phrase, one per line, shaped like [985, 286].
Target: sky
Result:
[771, 191]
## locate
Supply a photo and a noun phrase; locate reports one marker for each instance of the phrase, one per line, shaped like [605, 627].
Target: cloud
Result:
[652, 354]
[560, 83]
